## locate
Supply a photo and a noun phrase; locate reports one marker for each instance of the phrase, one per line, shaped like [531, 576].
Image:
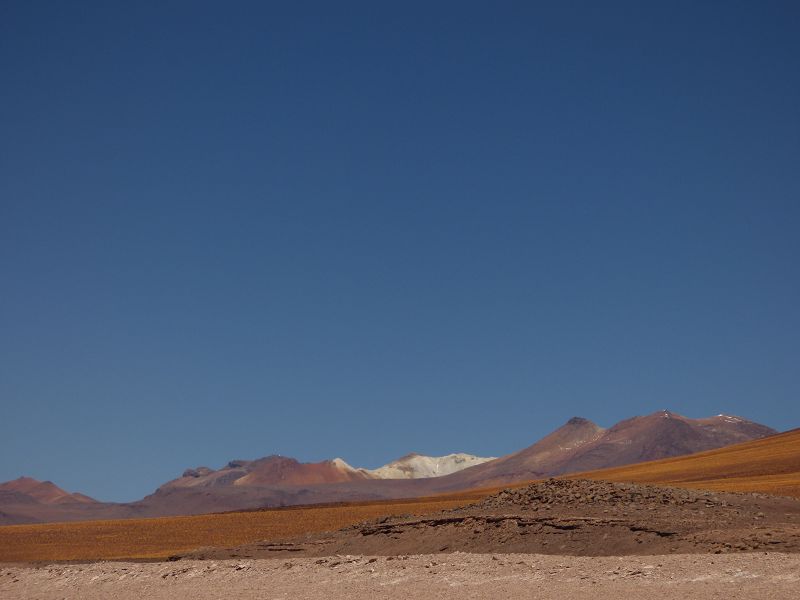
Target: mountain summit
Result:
[30, 490]
[28, 500]
[580, 445]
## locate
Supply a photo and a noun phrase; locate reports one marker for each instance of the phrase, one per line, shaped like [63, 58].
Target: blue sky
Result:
[359, 229]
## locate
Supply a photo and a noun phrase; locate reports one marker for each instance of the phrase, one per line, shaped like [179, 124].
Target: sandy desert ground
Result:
[749, 575]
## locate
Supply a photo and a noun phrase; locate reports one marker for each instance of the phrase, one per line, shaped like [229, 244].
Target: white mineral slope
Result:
[418, 466]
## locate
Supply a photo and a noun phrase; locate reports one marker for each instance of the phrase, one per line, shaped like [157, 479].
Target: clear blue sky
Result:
[361, 229]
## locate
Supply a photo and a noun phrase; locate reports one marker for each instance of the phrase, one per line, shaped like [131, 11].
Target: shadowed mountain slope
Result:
[770, 465]
[580, 445]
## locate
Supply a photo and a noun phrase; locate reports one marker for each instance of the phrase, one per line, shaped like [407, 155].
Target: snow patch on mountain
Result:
[343, 466]
[418, 466]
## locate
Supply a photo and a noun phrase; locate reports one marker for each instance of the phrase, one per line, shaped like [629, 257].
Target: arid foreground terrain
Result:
[552, 539]
[458, 576]
[566, 517]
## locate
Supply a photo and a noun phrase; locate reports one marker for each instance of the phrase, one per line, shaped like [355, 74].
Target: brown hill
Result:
[770, 465]
[580, 445]
[28, 490]
[269, 481]
[539, 460]
[268, 471]
[27, 500]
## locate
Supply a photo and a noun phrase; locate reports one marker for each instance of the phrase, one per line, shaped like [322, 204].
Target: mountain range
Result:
[578, 445]
[285, 471]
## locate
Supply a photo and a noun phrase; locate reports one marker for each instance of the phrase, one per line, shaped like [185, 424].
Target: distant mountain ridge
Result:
[578, 445]
[43, 492]
[27, 500]
[285, 471]
[270, 470]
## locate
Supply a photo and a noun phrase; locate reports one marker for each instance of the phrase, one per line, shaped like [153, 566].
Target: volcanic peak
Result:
[45, 492]
[579, 421]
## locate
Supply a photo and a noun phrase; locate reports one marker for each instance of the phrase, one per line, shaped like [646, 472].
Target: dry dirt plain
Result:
[770, 576]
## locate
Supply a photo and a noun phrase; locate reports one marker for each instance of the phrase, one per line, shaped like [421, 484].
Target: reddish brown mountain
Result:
[270, 481]
[268, 471]
[29, 490]
[27, 500]
[580, 445]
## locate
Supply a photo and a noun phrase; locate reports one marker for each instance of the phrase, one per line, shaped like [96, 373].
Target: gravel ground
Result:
[457, 575]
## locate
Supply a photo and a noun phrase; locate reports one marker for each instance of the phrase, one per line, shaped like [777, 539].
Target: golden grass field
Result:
[771, 465]
[164, 536]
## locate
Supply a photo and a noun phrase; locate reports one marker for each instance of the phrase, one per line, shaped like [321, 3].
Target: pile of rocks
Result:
[587, 492]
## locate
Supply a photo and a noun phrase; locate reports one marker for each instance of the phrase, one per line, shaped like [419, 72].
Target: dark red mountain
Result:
[580, 445]
[29, 490]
